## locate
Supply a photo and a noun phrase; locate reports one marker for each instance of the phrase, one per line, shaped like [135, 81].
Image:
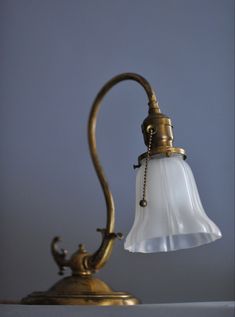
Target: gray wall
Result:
[54, 57]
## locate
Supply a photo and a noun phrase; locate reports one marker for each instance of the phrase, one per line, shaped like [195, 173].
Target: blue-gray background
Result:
[54, 57]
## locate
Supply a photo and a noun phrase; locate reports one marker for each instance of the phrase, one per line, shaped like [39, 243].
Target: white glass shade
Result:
[174, 217]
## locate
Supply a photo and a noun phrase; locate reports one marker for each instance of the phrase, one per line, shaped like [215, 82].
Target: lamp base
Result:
[80, 290]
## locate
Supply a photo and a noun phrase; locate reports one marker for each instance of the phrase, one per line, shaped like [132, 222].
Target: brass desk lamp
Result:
[169, 214]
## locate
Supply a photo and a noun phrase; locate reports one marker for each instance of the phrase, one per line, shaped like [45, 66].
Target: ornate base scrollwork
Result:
[81, 288]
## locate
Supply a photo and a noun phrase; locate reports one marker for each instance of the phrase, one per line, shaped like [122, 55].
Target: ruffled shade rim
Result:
[172, 242]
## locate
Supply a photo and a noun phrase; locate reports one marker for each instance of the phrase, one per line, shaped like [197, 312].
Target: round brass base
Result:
[77, 290]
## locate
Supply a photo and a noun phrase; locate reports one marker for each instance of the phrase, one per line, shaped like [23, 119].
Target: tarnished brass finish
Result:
[82, 288]
[100, 257]
[166, 151]
[162, 138]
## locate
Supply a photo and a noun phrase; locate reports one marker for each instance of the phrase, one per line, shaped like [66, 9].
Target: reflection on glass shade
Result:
[174, 217]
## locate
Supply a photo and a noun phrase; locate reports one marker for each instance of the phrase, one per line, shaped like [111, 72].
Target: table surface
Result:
[202, 309]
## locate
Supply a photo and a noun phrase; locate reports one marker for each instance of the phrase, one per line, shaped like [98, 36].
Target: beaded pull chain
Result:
[143, 201]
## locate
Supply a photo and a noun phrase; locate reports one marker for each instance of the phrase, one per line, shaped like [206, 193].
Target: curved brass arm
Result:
[100, 257]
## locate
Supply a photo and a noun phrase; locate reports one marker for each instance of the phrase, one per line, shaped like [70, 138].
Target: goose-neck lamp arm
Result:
[100, 257]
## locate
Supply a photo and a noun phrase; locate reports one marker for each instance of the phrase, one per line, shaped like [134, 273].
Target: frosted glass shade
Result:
[174, 217]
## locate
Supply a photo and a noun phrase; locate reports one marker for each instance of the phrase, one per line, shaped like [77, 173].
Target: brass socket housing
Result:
[162, 137]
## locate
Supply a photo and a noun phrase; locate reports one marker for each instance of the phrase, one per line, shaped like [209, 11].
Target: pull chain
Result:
[143, 201]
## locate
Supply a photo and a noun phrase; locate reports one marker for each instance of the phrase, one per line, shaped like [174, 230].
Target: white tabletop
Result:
[202, 309]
